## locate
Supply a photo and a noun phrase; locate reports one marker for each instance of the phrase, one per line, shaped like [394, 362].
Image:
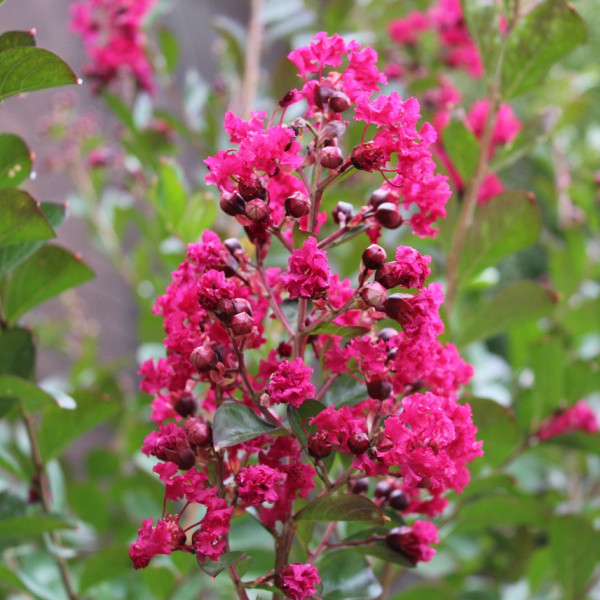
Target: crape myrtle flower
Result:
[579, 417]
[270, 343]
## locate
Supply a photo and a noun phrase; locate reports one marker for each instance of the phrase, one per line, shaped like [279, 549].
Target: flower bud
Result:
[379, 389]
[322, 94]
[339, 102]
[234, 246]
[373, 294]
[242, 324]
[226, 309]
[318, 446]
[297, 205]
[383, 489]
[204, 358]
[359, 486]
[368, 157]
[199, 433]
[257, 209]
[252, 187]
[331, 157]
[387, 334]
[385, 444]
[184, 458]
[385, 275]
[397, 307]
[241, 305]
[388, 215]
[399, 500]
[358, 443]
[374, 256]
[184, 404]
[342, 213]
[378, 197]
[287, 99]
[232, 204]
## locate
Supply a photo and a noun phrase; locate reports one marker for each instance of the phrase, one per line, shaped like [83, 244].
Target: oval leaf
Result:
[299, 417]
[29, 69]
[17, 353]
[21, 219]
[214, 567]
[235, 423]
[48, 273]
[462, 147]
[345, 507]
[33, 525]
[346, 575]
[15, 160]
[16, 39]
[509, 222]
[342, 330]
[30, 395]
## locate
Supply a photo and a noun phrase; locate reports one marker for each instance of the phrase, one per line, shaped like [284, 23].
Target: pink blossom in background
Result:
[579, 417]
[407, 30]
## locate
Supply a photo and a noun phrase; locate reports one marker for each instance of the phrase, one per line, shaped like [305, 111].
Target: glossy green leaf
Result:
[16, 39]
[13, 255]
[347, 576]
[348, 331]
[512, 306]
[499, 430]
[31, 397]
[300, 417]
[30, 69]
[60, 427]
[575, 551]
[462, 148]
[17, 353]
[508, 223]
[214, 567]
[345, 390]
[343, 507]
[541, 38]
[48, 273]
[235, 423]
[28, 526]
[21, 219]
[15, 160]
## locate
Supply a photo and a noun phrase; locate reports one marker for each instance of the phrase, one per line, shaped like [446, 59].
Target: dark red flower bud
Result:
[318, 446]
[234, 246]
[204, 358]
[339, 102]
[322, 94]
[358, 442]
[383, 489]
[242, 324]
[373, 294]
[379, 389]
[226, 309]
[374, 256]
[284, 349]
[331, 157]
[385, 444]
[399, 500]
[297, 205]
[368, 157]
[388, 215]
[342, 213]
[241, 305]
[387, 334]
[378, 197]
[398, 307]
[185, 458]
[359, 486]
[184, 405]
[252, 187]
[385, 275]
[199, 433]
[232, 204]
[287, 99]
[257, 209]
[402, 539]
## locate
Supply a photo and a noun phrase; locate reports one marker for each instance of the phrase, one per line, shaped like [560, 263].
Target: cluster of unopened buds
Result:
[251, 400]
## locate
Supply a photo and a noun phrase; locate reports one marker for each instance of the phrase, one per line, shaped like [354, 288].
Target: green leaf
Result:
[170, 194]
[499, 430]
[549, 362]
[345, 390]
[343, 507]
[462, 148]
[48, 273]
[579, 440]
[427, 591]
[17, 353]
[302, 414]
[33, 525]
[104, 565]
[348, 331]
[8, 577]
[235, 423]
[60, 427]
[383, 552]
[200, 213]
[214, 567]
[169, 48]
[575, 550]
[347, 576]
[541, 38]
[15, 160]
[512, 306]
[30, 395]
[508, 223]
[13, 255]
[484, 26]
[29, 69]
[16, 39]
[21, 219]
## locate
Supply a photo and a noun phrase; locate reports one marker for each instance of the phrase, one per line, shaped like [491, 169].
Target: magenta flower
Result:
[298, 581]
[290, 383]
[579, 417]
[308, 274]
[151, 541]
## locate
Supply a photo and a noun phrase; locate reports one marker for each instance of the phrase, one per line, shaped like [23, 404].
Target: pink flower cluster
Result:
[579, 417]
[272, 343]
[112, 34]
